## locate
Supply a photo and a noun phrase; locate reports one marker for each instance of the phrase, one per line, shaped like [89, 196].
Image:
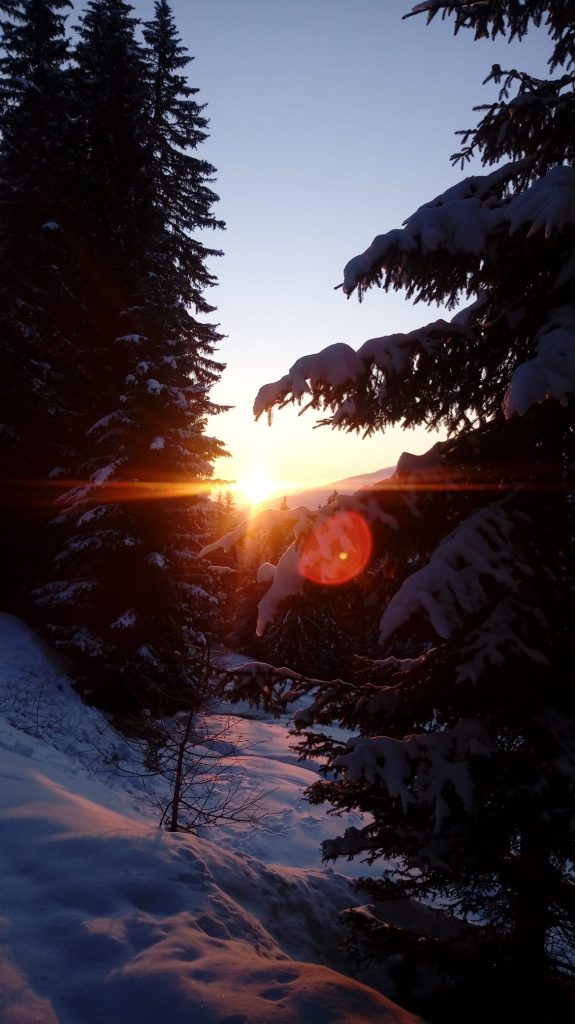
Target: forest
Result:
[416, 634]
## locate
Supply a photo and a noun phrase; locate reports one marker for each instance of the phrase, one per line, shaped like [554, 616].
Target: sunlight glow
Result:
[257, 486]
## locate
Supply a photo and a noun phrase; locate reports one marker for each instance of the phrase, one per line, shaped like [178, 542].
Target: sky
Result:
[329, 124]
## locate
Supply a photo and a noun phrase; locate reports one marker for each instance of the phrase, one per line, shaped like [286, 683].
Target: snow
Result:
[548, 205]
[344, 412]
[286, 582]
[127, 620]
[132, 339]
[462, 226]
[61, 592]
[335, 364]
[340, 364]
[113, 419]
[269, 394]
[333, 524]
[178, 397]
[266, 572]
[422, 768]
[156, 559]
[452, 581]
[551, 373]
[104, 474]
[496, 640]
[107, 917]
[461, 219]
[263, 522]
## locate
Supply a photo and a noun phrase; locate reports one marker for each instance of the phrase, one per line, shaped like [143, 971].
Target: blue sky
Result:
[329, 123]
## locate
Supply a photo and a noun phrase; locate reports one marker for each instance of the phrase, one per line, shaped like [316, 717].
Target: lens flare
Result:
[336, 549]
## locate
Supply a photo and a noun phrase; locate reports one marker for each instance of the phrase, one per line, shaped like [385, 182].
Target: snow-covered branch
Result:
[425, 768]
[337, 371]
[382, 381]
[261, 523]
[551, 374]
[462, 219]
[452, 582]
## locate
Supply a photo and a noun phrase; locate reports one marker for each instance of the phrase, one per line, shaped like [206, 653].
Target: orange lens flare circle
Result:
[336, 549]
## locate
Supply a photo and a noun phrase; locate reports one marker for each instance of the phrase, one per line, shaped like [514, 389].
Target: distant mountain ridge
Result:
[315, 496]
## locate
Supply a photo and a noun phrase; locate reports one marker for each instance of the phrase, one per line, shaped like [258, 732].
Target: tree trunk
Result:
[178, 778]
[532, 912]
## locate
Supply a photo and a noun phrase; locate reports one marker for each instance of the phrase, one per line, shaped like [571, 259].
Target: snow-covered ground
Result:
[107, 919]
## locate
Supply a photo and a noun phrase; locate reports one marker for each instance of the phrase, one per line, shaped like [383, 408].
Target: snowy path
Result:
[106, 918]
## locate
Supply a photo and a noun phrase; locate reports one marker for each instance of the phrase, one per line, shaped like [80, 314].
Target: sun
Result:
[257, 486]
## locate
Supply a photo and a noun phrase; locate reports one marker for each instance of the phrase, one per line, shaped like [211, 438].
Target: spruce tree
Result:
[181, 180]
[128, 601]
[40, 308]
[462, 751]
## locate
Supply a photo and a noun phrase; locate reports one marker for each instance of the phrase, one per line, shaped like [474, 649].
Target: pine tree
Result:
[40, 308]
[306, 635]
[181, 180]
[128, 599]
[463, 745]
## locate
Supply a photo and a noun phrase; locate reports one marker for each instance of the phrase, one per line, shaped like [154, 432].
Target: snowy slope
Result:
[106, 918]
